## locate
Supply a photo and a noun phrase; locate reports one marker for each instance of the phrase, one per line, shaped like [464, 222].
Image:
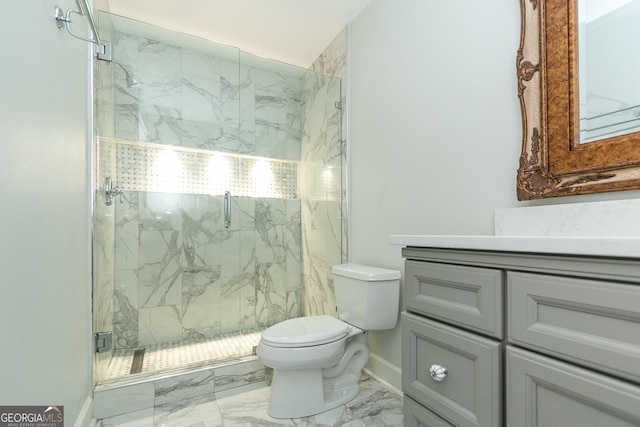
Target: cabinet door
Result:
[416, 415]
[469, 394]
[544, 392]
[470, 297]
[588, 322]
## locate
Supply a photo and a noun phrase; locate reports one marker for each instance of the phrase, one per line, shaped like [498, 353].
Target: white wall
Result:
[45, 279]
[435, 126]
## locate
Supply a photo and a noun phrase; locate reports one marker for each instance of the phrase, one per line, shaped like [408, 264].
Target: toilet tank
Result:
[367, 297]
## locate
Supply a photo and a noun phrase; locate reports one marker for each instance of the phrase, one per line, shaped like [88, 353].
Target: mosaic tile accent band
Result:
[158, 168]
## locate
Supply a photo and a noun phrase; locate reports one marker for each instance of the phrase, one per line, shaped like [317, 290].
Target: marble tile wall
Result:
[322, 178]
[192, 99]
[179, 274]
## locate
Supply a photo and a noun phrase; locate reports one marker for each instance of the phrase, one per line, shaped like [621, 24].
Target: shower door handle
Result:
[227, 209]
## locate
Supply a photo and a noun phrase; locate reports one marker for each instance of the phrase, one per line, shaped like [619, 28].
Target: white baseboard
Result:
[385, 372]
[85, 418]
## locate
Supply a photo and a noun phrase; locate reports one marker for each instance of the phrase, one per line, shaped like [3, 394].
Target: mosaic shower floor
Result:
[182, 354]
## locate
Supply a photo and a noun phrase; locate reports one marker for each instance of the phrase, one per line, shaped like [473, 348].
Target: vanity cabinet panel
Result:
[590, 322]
[416, 415]
[538, 340]
[543, 392]
[469, 297]
[468, 394]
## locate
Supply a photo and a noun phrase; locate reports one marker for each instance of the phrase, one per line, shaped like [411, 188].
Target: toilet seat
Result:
[305, 332]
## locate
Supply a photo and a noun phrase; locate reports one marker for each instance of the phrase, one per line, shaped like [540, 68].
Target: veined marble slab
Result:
[613, 218]
[621, 247]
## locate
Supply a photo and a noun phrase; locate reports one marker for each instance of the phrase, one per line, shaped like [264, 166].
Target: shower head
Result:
[130, 78]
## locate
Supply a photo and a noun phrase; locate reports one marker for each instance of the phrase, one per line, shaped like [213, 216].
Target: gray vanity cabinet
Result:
[595, 323]
[520, 340]
[463, 302]
[542, 391]
[468, 392]
[416, 415]
[469, 297]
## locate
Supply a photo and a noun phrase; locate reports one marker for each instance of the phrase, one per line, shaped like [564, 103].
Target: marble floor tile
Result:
[374, 406]
[197, 412]
[249, 409]
[143, 418]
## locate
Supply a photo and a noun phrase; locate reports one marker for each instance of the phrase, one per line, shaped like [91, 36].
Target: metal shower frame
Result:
[103, 52]
[103, 48]
[63, 19]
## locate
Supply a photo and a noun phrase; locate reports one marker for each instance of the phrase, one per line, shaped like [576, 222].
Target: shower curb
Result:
[123, 397]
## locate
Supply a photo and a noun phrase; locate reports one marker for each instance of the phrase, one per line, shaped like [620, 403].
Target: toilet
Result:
[317, 360]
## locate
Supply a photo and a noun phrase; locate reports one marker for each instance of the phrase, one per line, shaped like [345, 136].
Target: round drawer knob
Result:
[438, 373]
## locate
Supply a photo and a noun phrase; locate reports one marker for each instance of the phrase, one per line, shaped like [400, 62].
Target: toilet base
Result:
[304, 392]
[297, 394]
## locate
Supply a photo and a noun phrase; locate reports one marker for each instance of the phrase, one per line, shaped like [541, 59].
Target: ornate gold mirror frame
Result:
[553, 162]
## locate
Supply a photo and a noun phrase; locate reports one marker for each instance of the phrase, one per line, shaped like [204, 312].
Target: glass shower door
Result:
[205, 120]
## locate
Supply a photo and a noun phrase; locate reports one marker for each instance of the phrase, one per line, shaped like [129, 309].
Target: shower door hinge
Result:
[103, 342]
[338, 105]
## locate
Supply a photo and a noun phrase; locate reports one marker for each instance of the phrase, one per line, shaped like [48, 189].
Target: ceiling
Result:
[291, 31]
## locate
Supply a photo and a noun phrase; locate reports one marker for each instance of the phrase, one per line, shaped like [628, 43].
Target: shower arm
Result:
[63, 19]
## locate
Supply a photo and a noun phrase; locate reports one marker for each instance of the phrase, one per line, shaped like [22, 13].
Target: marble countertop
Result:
[624, 247]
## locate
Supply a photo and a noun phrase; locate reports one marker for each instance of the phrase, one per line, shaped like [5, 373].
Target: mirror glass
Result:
[609, 68]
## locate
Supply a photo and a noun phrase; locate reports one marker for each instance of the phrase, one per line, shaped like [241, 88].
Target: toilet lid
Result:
[305, 331]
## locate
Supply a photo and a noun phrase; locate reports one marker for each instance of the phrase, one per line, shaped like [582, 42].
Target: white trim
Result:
[385, 372]
[85, 417]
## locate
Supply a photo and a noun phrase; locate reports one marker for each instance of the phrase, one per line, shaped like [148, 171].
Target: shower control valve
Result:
[110, 191]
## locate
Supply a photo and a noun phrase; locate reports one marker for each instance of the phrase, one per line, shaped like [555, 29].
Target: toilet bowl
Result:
[304, 342]
[305, 380]
[317, 360]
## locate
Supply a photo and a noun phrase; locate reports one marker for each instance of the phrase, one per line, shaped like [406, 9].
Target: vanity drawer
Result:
[470, 297]
[469, 394]
[590, 322]
[416, 415]
[546, 392]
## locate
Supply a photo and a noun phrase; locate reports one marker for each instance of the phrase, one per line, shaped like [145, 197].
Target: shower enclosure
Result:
[219, 198]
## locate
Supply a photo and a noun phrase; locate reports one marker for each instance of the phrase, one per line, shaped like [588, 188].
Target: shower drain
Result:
[136, 363]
